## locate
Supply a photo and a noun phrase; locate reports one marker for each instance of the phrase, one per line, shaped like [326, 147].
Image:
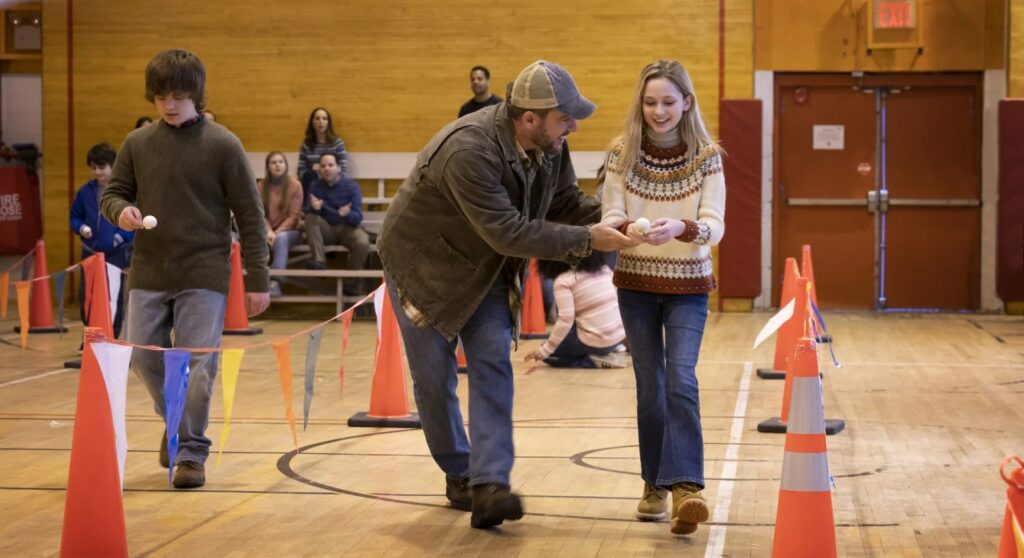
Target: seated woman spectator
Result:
[588, 333]
[142, 121]
[320, 139]
[96, 233]
[282, 206]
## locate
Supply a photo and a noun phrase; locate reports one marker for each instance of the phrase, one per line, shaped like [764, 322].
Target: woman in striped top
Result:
[320, 139]
[588, 333]
[665, 188]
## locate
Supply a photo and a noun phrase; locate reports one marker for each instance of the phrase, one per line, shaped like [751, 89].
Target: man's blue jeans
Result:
[487, 340]
[197, 318]
[665, 333]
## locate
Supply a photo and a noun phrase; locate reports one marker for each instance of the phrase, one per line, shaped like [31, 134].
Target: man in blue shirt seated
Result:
[334, 215]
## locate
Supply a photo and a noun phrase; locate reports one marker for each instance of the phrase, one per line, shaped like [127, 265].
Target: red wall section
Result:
[1010, 247]
[739, 255]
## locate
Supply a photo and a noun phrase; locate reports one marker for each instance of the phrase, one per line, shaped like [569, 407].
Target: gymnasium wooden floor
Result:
[932, 404]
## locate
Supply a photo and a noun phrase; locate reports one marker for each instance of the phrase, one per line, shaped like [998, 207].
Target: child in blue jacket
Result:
[96, 233]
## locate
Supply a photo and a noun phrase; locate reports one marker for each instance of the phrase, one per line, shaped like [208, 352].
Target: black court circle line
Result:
[285, 461]
[580, 459]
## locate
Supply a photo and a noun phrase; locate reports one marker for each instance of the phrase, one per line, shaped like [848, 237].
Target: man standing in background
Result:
[480, 83]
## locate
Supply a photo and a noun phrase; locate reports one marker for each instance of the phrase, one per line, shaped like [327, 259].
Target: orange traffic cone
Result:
[807, 266]
[778, 425]
[787, 335]
[93, 509]
[803, 522]
[389, 402]
[533, 325]
[1011, 542]
[41, 316]
[460, 355]
[236, 317]
[97, 299]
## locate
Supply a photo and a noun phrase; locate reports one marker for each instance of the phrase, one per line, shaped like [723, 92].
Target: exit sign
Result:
[895, 14]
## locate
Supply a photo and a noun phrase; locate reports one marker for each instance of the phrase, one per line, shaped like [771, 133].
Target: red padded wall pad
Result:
[1010, 250]
[739, 255]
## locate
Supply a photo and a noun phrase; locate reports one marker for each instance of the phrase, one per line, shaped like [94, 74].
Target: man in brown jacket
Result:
[488, 192]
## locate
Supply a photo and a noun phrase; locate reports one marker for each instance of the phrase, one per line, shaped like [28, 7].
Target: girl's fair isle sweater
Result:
[668, 181]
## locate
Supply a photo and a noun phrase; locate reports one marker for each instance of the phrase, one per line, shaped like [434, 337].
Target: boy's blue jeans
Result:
[196, 317]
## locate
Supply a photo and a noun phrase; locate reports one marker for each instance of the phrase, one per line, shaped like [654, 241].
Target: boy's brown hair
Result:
[176, 71]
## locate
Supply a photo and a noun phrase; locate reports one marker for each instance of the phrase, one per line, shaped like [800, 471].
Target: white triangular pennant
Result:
[378, 305]
[776, 322]
[114, 286]
[114, 360]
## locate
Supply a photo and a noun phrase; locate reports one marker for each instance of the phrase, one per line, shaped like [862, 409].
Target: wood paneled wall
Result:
[831, 36]
[391, 72]
[1015, 64]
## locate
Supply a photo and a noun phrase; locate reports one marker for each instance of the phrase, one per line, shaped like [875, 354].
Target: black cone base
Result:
[52, 329]
[771, 374]
[774, 426]
[250, 331]
[364, 419]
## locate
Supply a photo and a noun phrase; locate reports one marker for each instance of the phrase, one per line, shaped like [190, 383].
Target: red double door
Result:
[881, 175]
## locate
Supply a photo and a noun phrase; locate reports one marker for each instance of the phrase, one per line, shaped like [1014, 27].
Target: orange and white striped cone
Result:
[807, 267]
[236, 316]
[41, 305]
[97, 299]
[787, 335]
[1011, 542]
[804, 524]
[389, 400]
[777, 425]
[532, 324]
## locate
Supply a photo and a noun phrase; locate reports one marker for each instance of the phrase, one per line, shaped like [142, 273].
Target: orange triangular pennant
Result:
[284, 373]
[24, 292]
[346, 327]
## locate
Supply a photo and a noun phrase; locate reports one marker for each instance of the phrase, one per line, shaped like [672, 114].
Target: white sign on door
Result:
[829, 137]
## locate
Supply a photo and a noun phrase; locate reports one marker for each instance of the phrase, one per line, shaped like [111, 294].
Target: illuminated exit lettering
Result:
[895, 14]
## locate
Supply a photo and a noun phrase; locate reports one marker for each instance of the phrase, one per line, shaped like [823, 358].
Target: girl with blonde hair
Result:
[665, 189]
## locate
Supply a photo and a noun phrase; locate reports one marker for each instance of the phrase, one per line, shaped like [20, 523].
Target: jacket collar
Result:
[506, 130]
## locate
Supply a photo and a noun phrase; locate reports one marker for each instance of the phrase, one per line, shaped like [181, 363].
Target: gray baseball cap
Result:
[546, 85]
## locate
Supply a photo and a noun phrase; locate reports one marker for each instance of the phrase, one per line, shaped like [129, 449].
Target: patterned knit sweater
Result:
[668, 182]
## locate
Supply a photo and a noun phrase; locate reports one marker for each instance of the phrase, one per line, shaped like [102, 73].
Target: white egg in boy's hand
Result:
[644, 224]
[149, 222]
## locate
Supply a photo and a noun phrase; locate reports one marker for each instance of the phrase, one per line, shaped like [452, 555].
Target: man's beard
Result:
[540, 139]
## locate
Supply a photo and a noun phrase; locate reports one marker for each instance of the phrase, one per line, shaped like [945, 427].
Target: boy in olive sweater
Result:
[190, 173]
